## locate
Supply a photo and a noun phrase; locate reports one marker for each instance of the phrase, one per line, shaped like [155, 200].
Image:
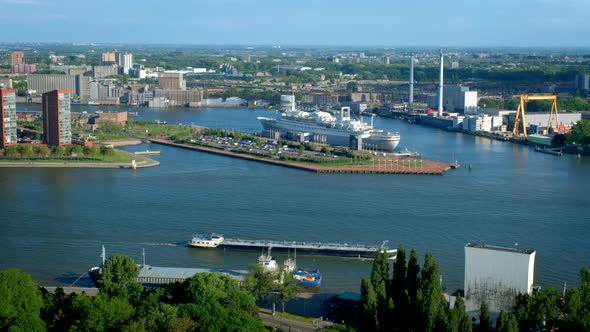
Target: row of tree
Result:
[205, 302]
[27, 151]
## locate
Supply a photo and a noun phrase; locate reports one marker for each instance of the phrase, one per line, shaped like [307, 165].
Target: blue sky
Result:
[540, 23]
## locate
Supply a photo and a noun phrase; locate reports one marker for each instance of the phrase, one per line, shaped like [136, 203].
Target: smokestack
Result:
[411, 93]
[440, 86]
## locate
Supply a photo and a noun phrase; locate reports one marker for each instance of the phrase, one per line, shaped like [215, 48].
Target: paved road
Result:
[275, 322]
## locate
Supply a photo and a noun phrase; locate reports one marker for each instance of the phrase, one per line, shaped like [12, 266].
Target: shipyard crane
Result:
[520, 110]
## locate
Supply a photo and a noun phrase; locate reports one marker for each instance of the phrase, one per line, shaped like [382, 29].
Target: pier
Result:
[380, 164]
[311, 248]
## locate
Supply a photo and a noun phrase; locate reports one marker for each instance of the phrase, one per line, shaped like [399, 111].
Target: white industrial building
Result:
[496, 275]
[287, 102]
[478, 123]
[456, 98]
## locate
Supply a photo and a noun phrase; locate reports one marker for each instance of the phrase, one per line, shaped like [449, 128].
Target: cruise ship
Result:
[326, 128]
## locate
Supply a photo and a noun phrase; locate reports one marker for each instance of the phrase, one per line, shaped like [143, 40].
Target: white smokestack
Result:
[411, 92]
[440, 86]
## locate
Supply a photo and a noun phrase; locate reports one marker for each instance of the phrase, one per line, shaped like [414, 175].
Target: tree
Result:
[119, 277]
[458, 319]
[74, 150]
[485, 322]
[20, 302]
[259, 282]
[580, 133]
[559, 140]
[380, 285]
[286, 289]
[45, 151]
[58, 150]
[430, 298]
[506, 323]
[89, 151]
[10, 151]
[106, 151]
[368, 307]
[398, 287]
[412, 283]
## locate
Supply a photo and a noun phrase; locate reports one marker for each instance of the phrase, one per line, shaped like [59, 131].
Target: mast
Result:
[103, 255]
[440, 86]
[411, 92]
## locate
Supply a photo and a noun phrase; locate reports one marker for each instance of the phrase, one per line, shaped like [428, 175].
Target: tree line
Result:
[411, 299]
[205, 302]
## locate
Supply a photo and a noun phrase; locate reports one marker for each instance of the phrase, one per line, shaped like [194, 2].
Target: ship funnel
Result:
[440, 86]
[411, 92]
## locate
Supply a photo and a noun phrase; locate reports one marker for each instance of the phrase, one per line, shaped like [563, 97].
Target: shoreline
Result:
[146, 162]
[433, 168]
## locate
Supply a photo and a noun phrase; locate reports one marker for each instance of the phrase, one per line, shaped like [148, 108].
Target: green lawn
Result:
[117, 157]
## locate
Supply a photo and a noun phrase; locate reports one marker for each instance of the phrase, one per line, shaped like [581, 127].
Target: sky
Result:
[460, 23]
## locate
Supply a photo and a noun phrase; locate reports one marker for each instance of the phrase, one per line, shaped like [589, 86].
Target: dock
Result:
[310, 248]
[146, 152]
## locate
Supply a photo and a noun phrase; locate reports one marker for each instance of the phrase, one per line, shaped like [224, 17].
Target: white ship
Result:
[206, 241]
[326, 128]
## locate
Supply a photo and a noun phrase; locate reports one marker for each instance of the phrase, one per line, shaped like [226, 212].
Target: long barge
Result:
[310, 248]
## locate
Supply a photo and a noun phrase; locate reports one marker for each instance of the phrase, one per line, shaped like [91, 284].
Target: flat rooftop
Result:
[184, 273]
[498, 248]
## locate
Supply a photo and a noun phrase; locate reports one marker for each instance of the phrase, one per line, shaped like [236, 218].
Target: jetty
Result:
[147, 152]
[380, 165]
[310, 248]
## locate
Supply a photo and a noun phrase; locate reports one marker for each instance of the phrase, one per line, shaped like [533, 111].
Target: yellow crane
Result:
[520, 110]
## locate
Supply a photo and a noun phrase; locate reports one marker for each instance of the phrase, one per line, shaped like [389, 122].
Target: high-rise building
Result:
[126, 63]
[108, 58]
[582, 83]
[77, 84]
[57, 120]
[7, 117]
[171, 81]
[16, 58]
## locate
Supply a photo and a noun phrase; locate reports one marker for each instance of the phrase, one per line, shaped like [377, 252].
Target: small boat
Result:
[93, 103]
[306, 278]
[407, 153]
[267, 262]
[206, 241]
[147, 152]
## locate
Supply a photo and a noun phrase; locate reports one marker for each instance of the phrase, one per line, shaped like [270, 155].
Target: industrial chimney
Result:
[440, 86]
[411, 92]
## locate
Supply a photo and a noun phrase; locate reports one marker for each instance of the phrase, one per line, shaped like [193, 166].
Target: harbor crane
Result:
[520, 110]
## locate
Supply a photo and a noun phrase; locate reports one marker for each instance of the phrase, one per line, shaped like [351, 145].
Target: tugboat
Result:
[306, 278]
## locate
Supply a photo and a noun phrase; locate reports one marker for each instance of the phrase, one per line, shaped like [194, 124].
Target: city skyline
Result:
[457, 23]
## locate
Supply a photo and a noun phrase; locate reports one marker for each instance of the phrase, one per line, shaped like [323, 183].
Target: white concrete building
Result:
[287, 102]
[496, 275]
[126, 63]
[456, 98]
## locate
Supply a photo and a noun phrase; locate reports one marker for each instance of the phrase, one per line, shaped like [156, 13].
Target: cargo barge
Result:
[309, 248]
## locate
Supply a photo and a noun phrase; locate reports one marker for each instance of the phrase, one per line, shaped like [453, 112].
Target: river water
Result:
[54, 221]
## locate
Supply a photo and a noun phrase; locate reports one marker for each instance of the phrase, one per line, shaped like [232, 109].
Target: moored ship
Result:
[326, 128]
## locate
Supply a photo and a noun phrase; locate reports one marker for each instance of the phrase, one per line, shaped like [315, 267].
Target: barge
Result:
[310, 248]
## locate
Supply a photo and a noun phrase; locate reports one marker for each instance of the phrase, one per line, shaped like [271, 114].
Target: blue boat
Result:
[308, 278]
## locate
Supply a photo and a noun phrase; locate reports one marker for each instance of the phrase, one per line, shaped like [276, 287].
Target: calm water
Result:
[54, 221]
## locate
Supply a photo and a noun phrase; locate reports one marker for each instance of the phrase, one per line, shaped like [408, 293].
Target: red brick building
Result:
[57, 120]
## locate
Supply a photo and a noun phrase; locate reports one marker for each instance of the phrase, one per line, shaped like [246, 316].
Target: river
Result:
[54, 221]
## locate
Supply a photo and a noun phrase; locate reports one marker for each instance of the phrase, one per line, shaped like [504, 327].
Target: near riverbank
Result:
[140, 162]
